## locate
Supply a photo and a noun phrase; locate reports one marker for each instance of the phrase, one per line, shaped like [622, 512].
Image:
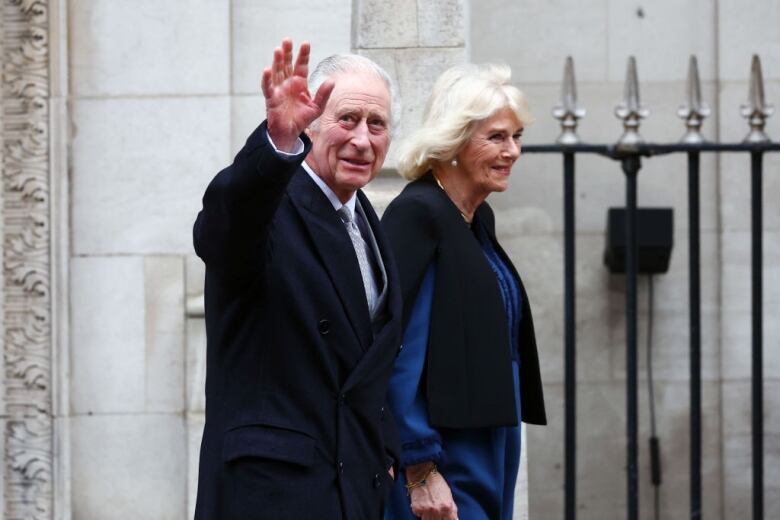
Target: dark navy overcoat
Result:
[296, 376]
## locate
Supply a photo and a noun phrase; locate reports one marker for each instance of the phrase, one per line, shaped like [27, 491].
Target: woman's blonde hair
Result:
[462, 96]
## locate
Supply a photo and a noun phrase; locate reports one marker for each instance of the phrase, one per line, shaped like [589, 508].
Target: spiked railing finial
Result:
[630, 110]
[757, 109]
[568, 113]
[694, 110]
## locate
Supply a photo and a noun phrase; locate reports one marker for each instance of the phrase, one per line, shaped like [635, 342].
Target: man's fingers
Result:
[323, 93]
[287, 50]
[265, 82]
[276, 66]
[302, 61]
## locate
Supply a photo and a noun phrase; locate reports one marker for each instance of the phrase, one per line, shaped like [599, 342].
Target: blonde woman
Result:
[468, 370]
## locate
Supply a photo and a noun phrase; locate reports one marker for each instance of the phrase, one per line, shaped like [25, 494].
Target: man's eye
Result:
[346, 118]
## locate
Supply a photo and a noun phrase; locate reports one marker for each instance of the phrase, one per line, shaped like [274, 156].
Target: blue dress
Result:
[480, 464]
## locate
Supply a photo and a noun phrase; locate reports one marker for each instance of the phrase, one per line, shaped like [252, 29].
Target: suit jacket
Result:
[469, 381]
[296, 375]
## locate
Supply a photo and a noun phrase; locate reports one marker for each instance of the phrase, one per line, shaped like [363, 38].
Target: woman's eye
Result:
[496, 138]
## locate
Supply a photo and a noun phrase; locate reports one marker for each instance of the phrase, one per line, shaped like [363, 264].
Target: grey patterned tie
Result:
[363, 256]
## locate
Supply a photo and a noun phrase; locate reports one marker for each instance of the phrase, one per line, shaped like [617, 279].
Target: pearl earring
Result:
[454, 162]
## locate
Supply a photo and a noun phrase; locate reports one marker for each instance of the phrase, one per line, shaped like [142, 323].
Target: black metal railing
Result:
[629, 150]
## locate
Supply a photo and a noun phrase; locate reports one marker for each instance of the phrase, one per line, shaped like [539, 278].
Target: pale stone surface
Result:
[194, 272]
[415, 71]
[737, 452]
[601, 453]
[661, 35]
[258, 27]
[736, 327]
[747, 27]
[381, 24]
[442, 23]
[107, 351]
[178, 51]
[737, 270]
[129, 467]
[737, 457]
[195, 372]
[140, 167]
[512, 32]
[196, 365]
[247, 112]
[383, 189]
[195, 423]
[164, 295]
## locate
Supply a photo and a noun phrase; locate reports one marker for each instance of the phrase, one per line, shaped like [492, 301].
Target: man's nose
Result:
[360, 135]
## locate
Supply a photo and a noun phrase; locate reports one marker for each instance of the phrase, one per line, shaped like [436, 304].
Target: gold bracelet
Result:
[419, 483]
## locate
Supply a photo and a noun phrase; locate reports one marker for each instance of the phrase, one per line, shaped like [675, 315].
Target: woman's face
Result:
[488, 156]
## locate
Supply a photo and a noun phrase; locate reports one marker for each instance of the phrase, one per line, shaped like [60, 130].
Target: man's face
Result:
[350, 141]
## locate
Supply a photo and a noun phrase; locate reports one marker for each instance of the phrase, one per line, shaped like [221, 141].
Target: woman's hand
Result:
[289, 106]
[433, 500]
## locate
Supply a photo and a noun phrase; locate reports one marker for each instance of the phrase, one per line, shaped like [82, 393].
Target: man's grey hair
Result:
[346, 63]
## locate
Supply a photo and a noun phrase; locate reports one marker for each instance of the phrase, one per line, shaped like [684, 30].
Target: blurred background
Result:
[117, 113]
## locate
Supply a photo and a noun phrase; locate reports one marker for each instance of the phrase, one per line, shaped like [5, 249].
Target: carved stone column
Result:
[26, 389]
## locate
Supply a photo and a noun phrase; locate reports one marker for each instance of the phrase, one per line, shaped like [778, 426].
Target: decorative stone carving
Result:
[27, 350]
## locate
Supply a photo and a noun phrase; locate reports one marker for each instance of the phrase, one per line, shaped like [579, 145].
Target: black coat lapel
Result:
[333, 245]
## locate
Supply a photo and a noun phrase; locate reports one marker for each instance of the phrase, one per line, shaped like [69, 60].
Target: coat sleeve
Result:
[420, 442]
[231, 230]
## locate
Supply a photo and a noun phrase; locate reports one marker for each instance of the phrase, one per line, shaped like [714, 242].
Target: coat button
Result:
[341, 466]
[377, 481]
[382, 413]
[342, 398]
[324, 326]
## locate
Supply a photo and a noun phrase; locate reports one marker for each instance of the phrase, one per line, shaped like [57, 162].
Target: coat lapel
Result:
[333, 245]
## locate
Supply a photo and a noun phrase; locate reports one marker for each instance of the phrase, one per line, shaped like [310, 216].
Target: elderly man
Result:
[303, 305]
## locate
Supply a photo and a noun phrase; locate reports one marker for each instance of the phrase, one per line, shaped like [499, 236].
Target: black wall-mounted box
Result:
[655, 235]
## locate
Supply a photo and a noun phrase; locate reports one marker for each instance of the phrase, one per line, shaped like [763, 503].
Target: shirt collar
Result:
[334, 200]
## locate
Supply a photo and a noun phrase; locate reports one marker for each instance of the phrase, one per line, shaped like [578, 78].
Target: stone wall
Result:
[142, 102]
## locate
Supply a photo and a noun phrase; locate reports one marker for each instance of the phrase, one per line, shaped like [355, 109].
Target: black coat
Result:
[296, 426]
[469, 382]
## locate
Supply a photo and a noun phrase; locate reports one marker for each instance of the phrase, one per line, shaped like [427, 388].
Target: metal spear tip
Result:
[568, 112]
[757, 109]
[693, 110]
[630, 110]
